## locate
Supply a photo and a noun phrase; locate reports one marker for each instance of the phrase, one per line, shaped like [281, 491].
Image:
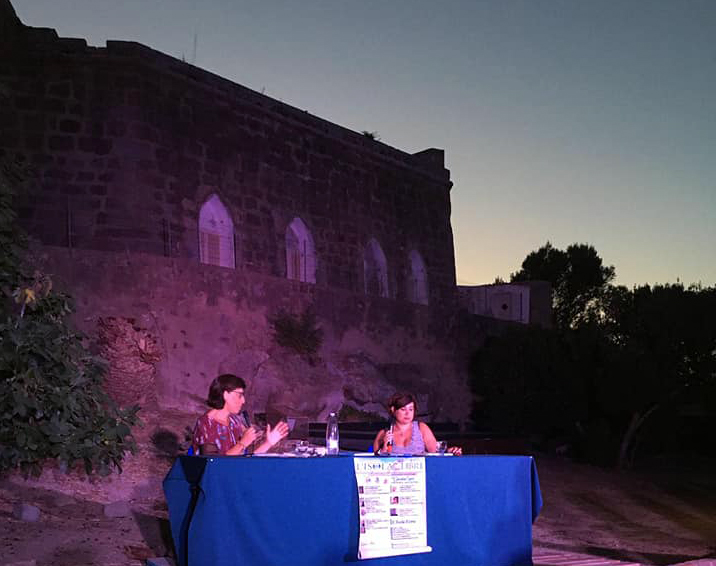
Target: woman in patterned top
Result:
[221, 430]
[406, 435]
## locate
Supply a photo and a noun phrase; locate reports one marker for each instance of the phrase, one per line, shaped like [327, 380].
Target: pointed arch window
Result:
[216, 234]
[375, 270]
[417, 290]
[300, 252]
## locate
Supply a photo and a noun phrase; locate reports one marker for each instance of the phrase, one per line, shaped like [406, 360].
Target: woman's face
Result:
[405, 414]
[234, 400]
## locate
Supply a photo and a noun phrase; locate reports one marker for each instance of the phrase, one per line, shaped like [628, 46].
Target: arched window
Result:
[216, 234]
[300, 252]
[375, 270]
[417, 290]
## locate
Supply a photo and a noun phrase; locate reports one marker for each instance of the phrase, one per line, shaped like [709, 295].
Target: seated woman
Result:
[221, 430]
[407, 435]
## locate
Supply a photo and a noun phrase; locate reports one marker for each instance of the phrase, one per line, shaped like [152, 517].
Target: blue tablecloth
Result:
[304, 511]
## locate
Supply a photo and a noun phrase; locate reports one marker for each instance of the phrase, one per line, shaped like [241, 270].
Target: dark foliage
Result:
[52, 407]
[577, 275]
[298, 333]
[618, 360]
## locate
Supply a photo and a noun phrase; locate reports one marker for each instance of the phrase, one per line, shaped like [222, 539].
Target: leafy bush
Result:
[347, 413]
[52, 405]
[593, 386]
[299, 334]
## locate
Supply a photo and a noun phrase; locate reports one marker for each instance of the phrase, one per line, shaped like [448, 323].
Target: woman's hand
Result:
[277, 433]
[246, 440]
[249, 437]
[388, 438]
[455, 450]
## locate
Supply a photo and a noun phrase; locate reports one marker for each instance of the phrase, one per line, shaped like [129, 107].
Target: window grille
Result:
[216, 234]
[300, 252]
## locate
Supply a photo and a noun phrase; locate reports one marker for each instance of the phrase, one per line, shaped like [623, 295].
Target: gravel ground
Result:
[663, 515]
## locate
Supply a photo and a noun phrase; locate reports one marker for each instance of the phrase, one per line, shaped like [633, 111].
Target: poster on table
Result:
[391, 505]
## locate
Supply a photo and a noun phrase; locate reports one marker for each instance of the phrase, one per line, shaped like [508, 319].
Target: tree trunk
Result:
[637, 420]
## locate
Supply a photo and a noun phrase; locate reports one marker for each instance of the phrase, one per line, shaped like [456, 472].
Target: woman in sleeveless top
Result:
[406, 435]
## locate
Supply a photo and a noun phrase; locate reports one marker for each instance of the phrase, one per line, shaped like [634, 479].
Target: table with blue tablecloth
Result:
[253, 511]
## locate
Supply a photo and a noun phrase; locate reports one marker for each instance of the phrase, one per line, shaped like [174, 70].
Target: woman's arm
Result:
[207, 449]
[273, 436]
[247, 438]
[378, 442]
[428, 438]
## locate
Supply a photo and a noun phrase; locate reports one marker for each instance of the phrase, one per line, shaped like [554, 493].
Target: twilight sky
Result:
[562, 120]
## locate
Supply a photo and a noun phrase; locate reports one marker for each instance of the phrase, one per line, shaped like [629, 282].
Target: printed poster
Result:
[392, 516]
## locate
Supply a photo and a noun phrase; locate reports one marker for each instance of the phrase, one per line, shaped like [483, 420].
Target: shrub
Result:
[298, 333]
[348, 413]
[53, 406]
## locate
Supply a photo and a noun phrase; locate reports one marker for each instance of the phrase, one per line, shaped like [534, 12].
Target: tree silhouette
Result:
[578, 277]
[620, 366]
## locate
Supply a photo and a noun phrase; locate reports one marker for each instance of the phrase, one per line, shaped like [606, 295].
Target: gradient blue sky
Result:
[569, 121]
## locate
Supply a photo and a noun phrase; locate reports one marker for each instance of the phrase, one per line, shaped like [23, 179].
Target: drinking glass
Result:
[441, 447]
[302, 447]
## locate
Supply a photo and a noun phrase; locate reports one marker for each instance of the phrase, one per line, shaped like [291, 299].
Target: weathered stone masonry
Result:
[128, 143]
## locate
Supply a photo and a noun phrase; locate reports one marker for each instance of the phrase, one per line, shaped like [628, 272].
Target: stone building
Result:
[527, 302]
[198, 209]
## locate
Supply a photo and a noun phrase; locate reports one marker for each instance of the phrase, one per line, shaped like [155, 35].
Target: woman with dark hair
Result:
[222, 430]
[406, 435]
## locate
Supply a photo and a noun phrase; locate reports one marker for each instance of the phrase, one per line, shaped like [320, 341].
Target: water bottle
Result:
[332, 435]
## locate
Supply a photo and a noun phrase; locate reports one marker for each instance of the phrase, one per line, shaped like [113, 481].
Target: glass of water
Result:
[441, 447]
[301, 447]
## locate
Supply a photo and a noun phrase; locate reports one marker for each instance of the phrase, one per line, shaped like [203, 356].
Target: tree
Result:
[526, 378]
[577, 275]
[617, 358]
[53, 406]
[666, 341]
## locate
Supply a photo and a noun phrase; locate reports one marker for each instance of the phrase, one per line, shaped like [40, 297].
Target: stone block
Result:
[63, 500]
[34, 142]
[25, 103]
[61, 90]
[117, 509]
[99, 146]
[70, 126]
[61, 143]
[26, 512]
[53, 105]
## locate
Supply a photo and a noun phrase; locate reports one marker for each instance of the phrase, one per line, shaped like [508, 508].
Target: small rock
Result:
[26, 512]
[149, 489]
[160, 561]
[63, 500]
[117, 509]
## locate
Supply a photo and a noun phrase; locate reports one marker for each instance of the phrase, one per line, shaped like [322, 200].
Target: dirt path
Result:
[663, 516]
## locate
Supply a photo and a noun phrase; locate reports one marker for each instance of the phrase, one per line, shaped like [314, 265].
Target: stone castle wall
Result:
[200, 321]
[123, 145]
[126, 144]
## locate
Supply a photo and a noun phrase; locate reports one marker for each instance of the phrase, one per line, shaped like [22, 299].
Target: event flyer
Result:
[391, 506]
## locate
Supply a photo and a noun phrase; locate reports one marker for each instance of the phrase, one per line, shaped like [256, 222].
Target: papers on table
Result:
[276, 455]
[364, 454]
[391, 505]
